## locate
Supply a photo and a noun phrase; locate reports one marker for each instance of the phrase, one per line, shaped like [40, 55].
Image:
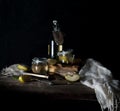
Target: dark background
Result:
[26, 26]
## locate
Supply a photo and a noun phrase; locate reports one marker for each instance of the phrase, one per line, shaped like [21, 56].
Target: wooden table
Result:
[57, 89]
[48, 93]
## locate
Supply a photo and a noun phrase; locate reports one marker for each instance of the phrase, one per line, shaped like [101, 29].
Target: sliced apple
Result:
[72, 78]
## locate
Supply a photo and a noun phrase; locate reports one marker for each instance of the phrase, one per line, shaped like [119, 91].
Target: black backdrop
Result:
[26, 25]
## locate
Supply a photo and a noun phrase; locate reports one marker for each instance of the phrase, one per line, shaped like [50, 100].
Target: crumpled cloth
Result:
[107, 89]
[11, 70]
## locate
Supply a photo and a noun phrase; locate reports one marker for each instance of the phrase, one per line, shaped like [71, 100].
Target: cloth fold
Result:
[94, 75]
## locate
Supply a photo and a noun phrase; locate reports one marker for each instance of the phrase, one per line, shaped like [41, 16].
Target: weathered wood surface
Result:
[50, 89]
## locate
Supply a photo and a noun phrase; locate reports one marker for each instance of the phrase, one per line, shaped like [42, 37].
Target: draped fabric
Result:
[94, 75]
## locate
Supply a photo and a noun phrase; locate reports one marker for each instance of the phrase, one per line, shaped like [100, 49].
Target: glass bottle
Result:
[57, 35]
[51, 49]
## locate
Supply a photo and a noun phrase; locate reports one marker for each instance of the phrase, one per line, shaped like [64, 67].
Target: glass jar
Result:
[39, 65]
[66, 57]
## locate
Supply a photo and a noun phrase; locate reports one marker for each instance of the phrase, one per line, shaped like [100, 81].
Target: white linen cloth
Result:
[99, 78]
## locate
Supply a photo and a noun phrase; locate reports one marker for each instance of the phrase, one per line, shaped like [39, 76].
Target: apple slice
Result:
[72, 78]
